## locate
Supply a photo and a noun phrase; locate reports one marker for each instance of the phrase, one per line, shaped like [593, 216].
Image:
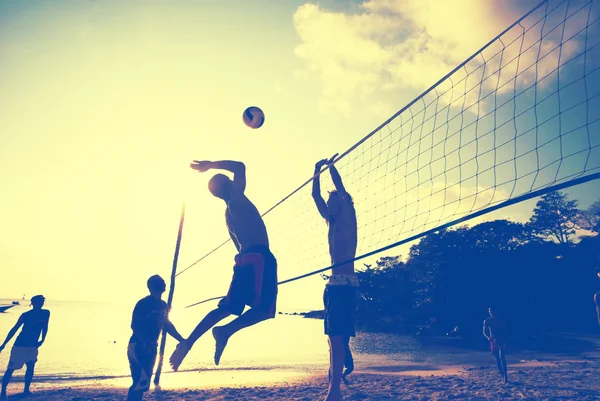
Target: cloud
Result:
[392, 45]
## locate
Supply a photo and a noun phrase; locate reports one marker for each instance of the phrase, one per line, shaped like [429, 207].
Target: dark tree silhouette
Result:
[555, 217]
[385, 293]
[534, 273]
[590, 219]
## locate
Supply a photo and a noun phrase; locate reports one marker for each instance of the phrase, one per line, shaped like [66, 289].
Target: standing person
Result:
[254, 281]
[25, 349]
[497, 339]
[340, 292]
[150, 316]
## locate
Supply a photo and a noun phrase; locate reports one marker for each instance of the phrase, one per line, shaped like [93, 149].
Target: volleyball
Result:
[253, 117]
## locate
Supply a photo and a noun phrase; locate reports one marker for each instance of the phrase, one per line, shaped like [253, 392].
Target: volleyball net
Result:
[515, 120]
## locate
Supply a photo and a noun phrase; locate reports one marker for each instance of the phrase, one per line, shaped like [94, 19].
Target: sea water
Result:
[87, 341]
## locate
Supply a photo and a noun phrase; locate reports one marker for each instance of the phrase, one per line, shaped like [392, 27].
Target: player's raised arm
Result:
[337, 179]
[237, 168]
[316, 190]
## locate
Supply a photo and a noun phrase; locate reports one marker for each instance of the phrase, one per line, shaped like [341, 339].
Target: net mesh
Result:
[519, 116]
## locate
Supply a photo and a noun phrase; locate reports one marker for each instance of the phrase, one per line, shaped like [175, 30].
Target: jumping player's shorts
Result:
[20, 356]
[497, 344]
[141, 363]
[245, 289]
[339, 299]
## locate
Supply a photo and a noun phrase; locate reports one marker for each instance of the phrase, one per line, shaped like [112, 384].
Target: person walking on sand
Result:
[340, 293]
[254, 281]
[150, 316]
[25, 349]
[497, 339]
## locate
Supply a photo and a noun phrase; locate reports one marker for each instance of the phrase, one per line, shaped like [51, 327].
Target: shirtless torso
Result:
[496, 327]
[343, 236]
[340, 215]
[245, 225]
[34, 323]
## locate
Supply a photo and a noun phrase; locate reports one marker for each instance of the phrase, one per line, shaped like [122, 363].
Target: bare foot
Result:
[3, 395]
[27, 393]
[178, 355]
[334, 396]
[221, 341]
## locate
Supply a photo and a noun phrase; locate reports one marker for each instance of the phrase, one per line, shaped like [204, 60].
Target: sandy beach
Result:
[388, 367]
[530, 380]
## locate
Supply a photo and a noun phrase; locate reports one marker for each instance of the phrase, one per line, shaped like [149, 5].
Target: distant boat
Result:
[4, 308]
[16, 303]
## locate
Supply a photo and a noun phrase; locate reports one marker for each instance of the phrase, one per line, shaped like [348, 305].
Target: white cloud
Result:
[410, 44]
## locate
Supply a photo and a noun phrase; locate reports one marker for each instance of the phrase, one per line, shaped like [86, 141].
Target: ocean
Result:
[87, 342]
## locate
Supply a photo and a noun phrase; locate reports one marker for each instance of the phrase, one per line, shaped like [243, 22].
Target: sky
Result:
[103, 104]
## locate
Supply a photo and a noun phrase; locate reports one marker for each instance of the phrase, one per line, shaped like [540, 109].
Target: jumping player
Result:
[340, 292]
[150, 316]
[254, 281]
[497, 339]
[25, 349]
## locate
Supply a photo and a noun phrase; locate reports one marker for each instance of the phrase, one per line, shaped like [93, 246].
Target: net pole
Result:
[163, 341]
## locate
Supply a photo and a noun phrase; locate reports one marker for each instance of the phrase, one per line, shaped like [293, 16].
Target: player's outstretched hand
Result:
[200, 166]
[332, 159]
[325, 162]
[320, 164]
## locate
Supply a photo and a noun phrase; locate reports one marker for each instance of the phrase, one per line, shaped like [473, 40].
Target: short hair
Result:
[37, 298]
[156, 283]
[220, 185]
[335, 191]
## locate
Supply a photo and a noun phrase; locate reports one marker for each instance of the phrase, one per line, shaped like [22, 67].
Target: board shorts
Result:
[20, 356]
[497, 344]
[245, 289]
[141, 363]
[339, 299]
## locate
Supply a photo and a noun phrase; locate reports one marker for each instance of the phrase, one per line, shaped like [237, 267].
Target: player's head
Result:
[491, 311]
[156, 285]
[335, 203]
[597, 271]
[37, 301]
[220, 186]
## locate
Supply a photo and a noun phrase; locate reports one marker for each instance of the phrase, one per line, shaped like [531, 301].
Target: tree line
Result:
[538, 275]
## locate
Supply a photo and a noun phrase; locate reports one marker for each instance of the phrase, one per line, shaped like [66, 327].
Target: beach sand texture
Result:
[559, 381]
